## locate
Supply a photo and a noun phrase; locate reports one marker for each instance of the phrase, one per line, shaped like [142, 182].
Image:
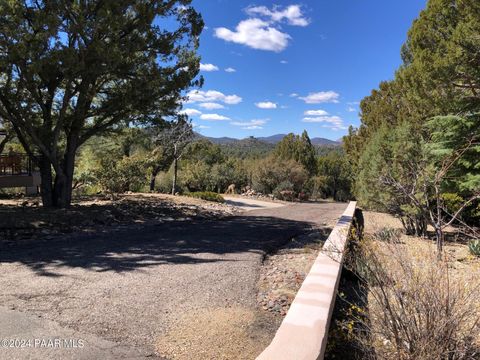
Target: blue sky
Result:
[284, 67]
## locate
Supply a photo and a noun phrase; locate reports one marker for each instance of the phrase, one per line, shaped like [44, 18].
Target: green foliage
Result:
[456, 137]
[118, 176]
[207, 195]
[247, 148]
[298, 148]
[452, 202]
[204, 151]
[71, 70]
[392, 160]
[474, 247]
[335, 173]
[442, 51]
[206, 168]
[270, 172]
[196, 176]
[284, 191]
[410, 155]
[84, 175]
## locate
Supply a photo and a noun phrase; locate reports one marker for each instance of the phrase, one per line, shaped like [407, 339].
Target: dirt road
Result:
[146, 287]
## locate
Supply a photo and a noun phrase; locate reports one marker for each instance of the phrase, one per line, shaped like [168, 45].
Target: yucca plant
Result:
[474, 247]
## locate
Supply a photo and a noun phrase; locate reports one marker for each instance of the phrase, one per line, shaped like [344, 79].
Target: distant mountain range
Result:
[274, 139]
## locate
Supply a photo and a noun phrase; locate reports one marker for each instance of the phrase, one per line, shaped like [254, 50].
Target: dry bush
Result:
[416, 309]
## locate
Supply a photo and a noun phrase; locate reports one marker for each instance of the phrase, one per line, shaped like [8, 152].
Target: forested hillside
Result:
[143, 159]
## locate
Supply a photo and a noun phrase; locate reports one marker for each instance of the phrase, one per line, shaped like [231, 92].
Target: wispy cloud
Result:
[315, 113]
[230, 70]
[283, 62]
[321, 97]
[292, 14]
[351, 109]
[212, 96]
[266, 105]
[198, 126]
[211, 106]
[190, 112]
[331, 122]
[250, 125]
[208, 67]
[213, 117]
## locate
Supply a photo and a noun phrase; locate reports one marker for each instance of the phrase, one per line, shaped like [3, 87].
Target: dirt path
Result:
[151, 286]
[248, 204]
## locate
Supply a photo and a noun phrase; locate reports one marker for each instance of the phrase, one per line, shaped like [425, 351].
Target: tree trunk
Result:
[46, 187]
[175, 169]
[57, 192]
[61, 196]
[439, 224]
[153, 178]
[439, 237]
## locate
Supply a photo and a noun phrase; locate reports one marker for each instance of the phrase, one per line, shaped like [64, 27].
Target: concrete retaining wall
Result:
[304, 331]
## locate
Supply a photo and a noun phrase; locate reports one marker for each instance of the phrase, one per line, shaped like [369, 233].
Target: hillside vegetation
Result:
[416, 153]
[134, 161]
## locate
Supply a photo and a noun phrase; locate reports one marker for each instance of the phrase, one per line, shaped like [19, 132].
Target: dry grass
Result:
[418, 307]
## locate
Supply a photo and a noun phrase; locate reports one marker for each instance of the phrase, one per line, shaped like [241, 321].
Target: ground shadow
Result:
[243, 204]
[176, 242]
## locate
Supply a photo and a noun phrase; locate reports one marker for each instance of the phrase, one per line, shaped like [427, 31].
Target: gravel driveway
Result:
[145, 286]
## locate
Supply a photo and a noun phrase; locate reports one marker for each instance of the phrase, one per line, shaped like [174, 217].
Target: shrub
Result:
[415, 311]
[118, 176]
[474, 247]
[387, 234]
[196, 176]
[284, 191]
[271, 172]
[208, 196]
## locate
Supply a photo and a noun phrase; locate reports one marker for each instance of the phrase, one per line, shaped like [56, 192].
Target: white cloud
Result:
[331, 122]
[292, 14]
[351, 109]
[198, 126]
[208, 67]
[212, 96]
[266, 105]
[211, 106]
[283, 62]
[321, 97]
[213, 117]
[190, 112]
[255, 33]
[294, 95]
[315, 113]
[250, 125]
[230, 70]
[262, 30]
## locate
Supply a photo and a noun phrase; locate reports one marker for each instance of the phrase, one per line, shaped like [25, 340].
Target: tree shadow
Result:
[133, 248]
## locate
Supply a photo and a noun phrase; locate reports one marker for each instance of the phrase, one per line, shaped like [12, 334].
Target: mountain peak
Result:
[273, 139]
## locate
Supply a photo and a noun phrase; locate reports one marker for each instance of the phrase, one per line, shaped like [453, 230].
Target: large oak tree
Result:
[71, 69]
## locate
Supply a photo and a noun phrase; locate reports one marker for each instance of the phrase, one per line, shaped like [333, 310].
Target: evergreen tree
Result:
[73, 69]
